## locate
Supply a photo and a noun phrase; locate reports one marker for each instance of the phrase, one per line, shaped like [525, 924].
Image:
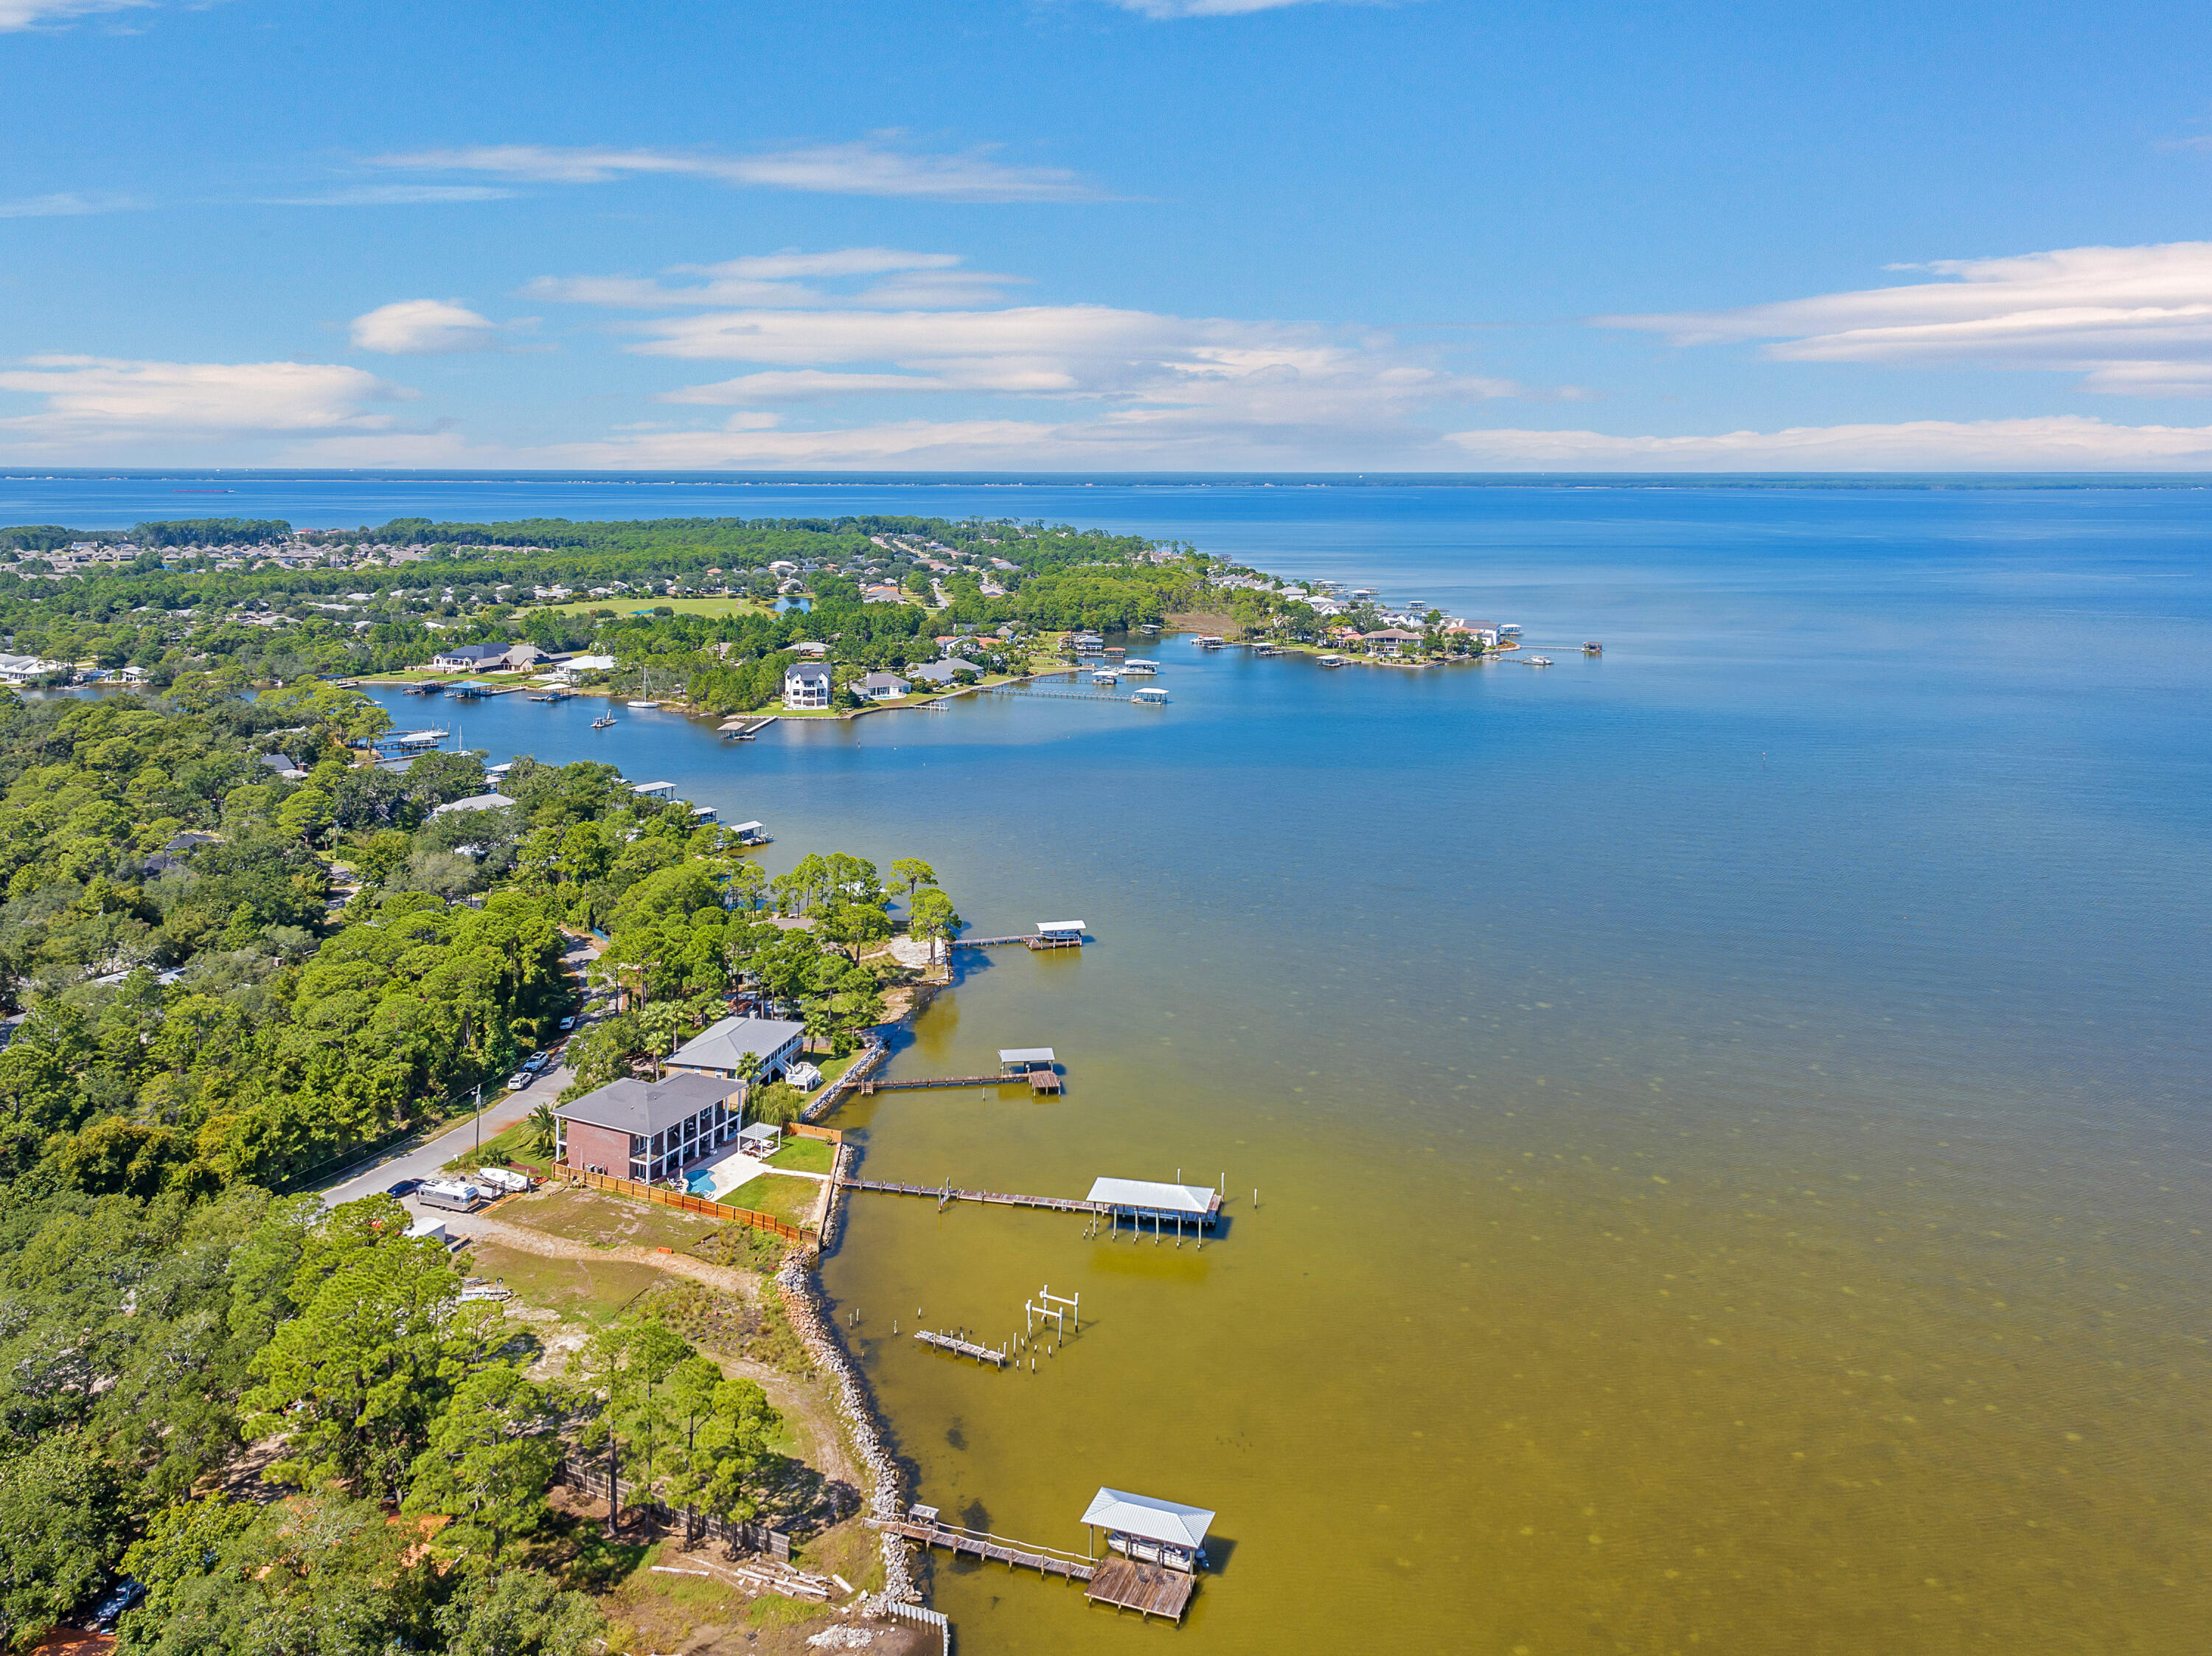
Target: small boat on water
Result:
[641, 704]
[1540, 661]
[1332, 661]
[1104, 677]
[603, 721]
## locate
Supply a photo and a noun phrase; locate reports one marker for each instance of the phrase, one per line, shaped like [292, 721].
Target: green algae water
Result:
[1728, 1116]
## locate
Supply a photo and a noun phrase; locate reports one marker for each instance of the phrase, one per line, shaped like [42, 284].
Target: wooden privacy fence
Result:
[683, 1202]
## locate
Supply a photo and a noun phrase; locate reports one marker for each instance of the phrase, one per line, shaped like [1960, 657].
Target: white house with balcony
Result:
[806, 684]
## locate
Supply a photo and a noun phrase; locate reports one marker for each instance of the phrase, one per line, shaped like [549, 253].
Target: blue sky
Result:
[1109, 234]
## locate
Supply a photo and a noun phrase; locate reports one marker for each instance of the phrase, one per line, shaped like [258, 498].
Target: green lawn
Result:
[788, 1198]
[804, 1155]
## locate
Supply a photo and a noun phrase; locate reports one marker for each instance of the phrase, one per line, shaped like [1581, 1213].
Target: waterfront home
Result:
[474, 802]
[487, 657]
[1151, 1531]
[647, 1130]
[577, 666]
[1390, 640]
[881, 687]
[26, 670]
[718, 1049]
[940, 673]
[805, 685]
[284, 765]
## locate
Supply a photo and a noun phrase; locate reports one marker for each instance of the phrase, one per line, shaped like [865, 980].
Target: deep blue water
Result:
[1844, 922]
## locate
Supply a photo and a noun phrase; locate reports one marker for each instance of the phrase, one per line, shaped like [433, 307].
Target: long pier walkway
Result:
[1149, 1589]
[1037, 1081]
[947, 1194]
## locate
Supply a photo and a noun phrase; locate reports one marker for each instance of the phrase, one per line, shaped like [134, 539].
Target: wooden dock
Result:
[992, 1549]
[1149, 1589]
[744, 730]
[960, 1348]
[948, 1193]
[1037, 1081]
[1029, 940]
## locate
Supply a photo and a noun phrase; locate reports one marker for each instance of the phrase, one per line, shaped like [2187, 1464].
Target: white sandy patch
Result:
[910, 952]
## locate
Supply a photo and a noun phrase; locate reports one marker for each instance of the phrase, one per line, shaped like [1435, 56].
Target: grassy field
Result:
[804, 1155]
[509, 1143]
[605, 1220]
[582, 1291]
[780, 1197]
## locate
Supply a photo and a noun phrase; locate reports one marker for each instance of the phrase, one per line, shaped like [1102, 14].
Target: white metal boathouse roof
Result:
[1196, 1200]
[1156, 1520]
[1026, 1055]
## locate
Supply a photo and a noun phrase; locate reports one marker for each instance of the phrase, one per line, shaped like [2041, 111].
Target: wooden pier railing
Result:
[993, 1548]
[1037, 1081]
[1003, 1198]
[683, 1202]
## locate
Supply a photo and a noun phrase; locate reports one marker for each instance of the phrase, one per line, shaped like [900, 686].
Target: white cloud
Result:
[1166, 384]
[2053, 443]
[30, 14]
[395, 195]
[65, 204]
[423, 327]
[867, 167]
[892, 277]
[93, 404]
[2134, 321]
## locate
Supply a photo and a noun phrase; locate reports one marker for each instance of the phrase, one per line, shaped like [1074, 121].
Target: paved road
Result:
[425, 1159]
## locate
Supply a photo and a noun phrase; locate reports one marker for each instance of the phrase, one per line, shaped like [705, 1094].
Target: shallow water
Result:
[1728, 1116]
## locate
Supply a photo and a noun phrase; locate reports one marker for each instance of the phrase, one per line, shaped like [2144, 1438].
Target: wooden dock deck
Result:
[1149, 1589]
[944, 1194]
[1029, 940]
[1037, 1081]
[960, 1348]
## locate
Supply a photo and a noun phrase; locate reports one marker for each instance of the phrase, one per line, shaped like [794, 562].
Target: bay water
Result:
[1727, 1117]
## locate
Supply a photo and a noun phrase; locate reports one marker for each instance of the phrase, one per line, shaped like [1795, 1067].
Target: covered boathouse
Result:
[1034, 1064]
[1138, 1200]
[1161, 1545]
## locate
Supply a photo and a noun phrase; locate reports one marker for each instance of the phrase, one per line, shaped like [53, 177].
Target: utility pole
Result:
[480, 1117]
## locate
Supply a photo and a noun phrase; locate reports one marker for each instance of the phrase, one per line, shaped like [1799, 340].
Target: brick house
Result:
[648, 1131]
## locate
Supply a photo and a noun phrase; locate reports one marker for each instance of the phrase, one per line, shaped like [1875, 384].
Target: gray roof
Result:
[474, 802]
[1150, 1517]
[1026, 1055]
[646, 1107]
[806, 669]
[941, 672]
[720, 1046]
[471, 652]
[874, 680]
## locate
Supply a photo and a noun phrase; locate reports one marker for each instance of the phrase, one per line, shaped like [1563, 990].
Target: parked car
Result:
[568, 1024]
[404, 1187]
[126, 1594]
[518, 1080]
[534, 1063]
